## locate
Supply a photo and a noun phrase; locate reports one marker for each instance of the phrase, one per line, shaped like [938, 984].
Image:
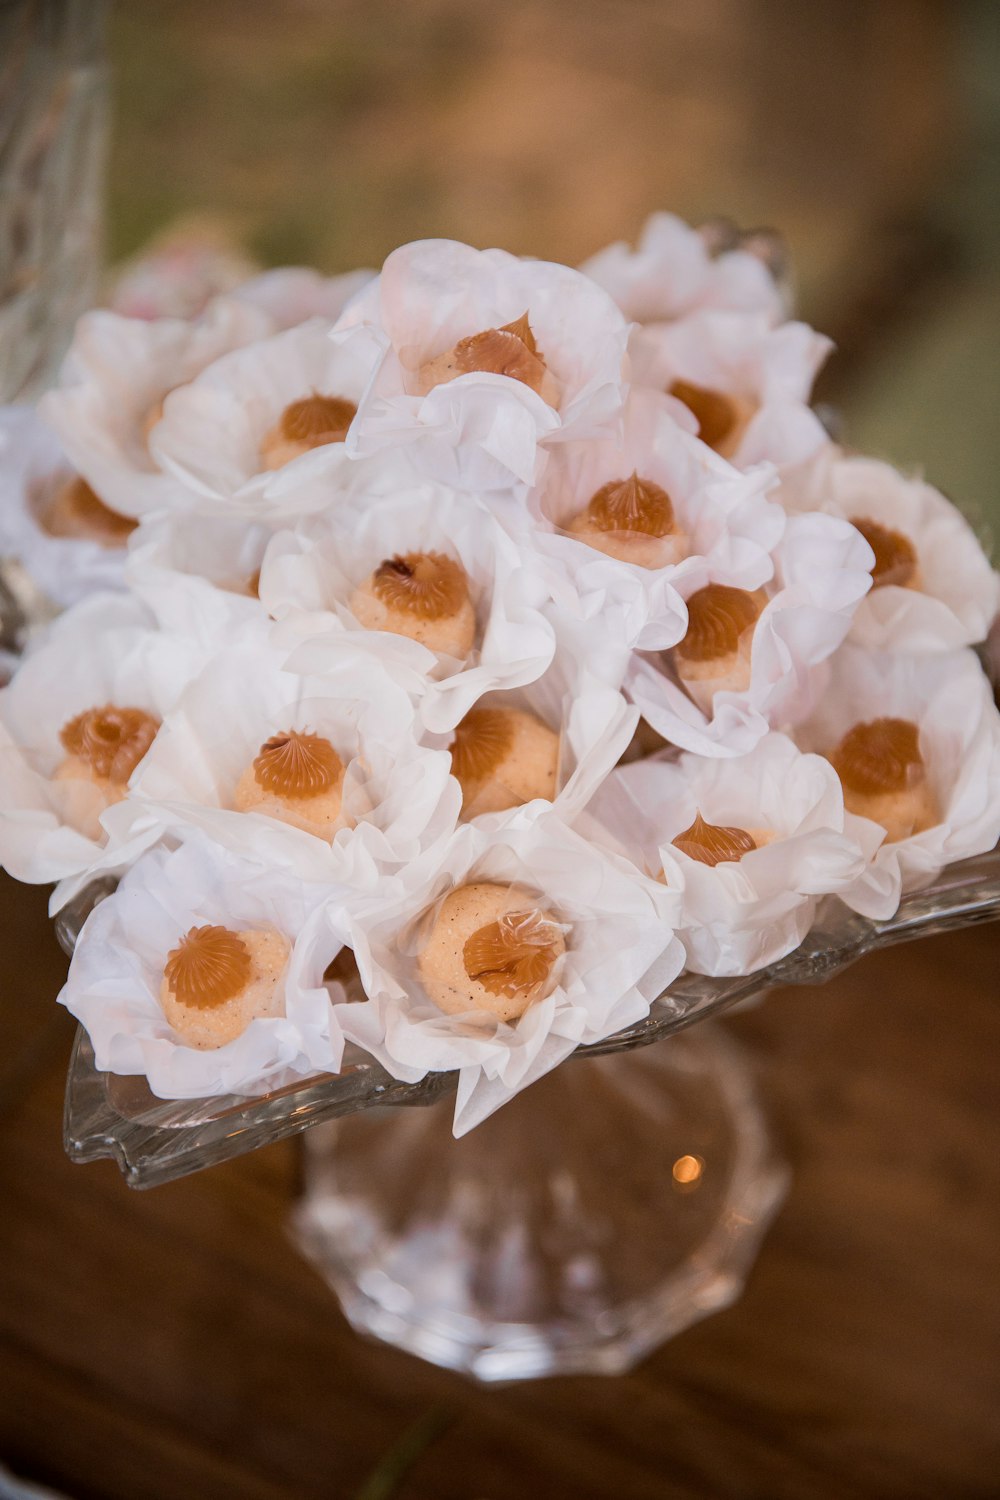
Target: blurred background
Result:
[868, 131]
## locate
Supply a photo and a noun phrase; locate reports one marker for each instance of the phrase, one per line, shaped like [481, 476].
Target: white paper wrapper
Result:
[115, 977]
[199, 575]
[290, 295]
[955, 594]
[482, 431]
[821, 575]
[104, 650]
[32, 467]
[116, 374]
[672, 273]
[212, 429]
[740, 355]
[947, 695]
[398, 798]
[727, 527]
[740, 916]
[621, 953]
[309, 577]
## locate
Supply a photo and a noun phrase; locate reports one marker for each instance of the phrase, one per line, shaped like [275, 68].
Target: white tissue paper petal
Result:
[115, 976]
[212, 429]
[947, 695]
[106, 649]
[399, 799]
[482, 431]
[309, 576]
[620, 955]
[740, 916]
[671, 273]
[727, 525]
[32, 467]
[769, 371]
[956, 594]
[290, 295]
[822, 573]
[115, 377]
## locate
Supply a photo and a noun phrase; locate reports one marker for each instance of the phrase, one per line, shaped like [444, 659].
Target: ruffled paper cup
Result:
[214, 430]
[310, 577]
[950, 595]
[290, 295]
[396, 800]
[482, 430]
[672, 273]
[200, 576]
[620, 955]
[113, 384]
[740, 915]
[115, 978]
[764, 373]
[822, 572]
[725, 527]
[33, 468]
[948, 697]
[106, 650]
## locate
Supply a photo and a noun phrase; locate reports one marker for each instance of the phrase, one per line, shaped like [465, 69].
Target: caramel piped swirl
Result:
[426, 584]
[712, 843]
[295, 764]
[483, 739]
[715, 413]
[879, 757]
[510, 350]
[90, 510]
[209, 966]
[717, 617]
[895, 554]
[316, 420]
[111, 740]
[632, 504]
[512, 956]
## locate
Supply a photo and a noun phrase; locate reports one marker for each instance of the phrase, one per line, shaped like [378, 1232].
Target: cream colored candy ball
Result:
[452, 635]
[206, 1027]
[320, 815]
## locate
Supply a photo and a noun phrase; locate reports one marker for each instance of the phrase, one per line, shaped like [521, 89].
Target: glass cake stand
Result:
[601, 1211]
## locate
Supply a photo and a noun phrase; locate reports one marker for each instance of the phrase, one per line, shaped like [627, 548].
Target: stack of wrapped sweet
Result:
[450, 658]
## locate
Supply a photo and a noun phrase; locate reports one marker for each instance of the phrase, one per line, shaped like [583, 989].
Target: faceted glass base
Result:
[602, 1211]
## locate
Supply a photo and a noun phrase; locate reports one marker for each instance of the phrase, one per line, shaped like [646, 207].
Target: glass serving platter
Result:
[155, 1140]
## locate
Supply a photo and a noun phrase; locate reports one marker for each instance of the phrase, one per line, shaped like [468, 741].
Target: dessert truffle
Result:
[309, 423]
[297, 778]
[510, 350]
[884, 777]
[491, 948]
[714, 654]
[216, 981]
[895, 555]
[76, 511]
[631, 519]
[722, 419]
[103, 746]
[423, 595]
[503, 757]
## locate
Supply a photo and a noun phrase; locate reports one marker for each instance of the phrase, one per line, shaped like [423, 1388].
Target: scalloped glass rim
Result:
[156, 1140]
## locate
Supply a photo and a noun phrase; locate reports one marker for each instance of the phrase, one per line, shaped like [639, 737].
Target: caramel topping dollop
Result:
[111, 740]
[712, 843]
[429, 585]
[482, 740]
[895, 554]
[632, 504]
[512, 956]
[878, 757]
[716, 414]
[316, 420]
[90, 510]
[296, 764]
[510, 350]
[209, 966]
[717, 617]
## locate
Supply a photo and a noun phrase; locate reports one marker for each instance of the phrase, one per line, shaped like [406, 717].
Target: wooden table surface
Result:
[172, 1343]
